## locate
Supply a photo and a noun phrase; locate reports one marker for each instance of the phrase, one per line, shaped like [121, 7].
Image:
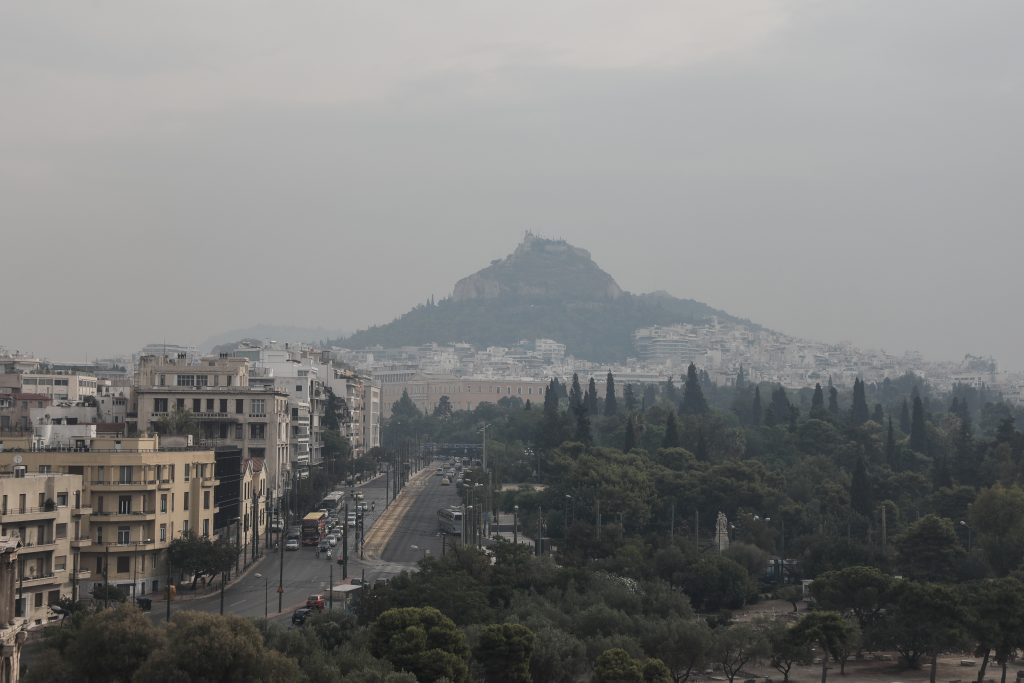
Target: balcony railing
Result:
[14, 512]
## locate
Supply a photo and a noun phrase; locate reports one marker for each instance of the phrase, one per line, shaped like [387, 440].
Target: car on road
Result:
[324, 545]
[316, 601]
[332, 540]
[362, 507]
[299, 615]
[292, 544]
[440, 471]
[277, 526]
[446, 482]
[358, 495]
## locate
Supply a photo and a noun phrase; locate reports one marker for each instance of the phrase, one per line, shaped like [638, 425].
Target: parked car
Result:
[299, 615]
[316, 601]
[292, 544]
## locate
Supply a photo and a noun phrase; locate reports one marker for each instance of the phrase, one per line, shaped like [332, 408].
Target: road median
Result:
[384, 528]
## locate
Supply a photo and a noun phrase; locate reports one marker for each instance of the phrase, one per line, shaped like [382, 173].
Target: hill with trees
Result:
[544, 289]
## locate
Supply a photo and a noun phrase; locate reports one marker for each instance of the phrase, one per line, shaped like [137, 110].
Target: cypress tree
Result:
[611, 407]
[755, 408]
[650, 396]
[877, 415]
[670, 393]
[905, 417]
[833, 400]
[859, 409]
[630, 440]
[701, 451]
[693, 395]
[590, 400]
[954, 408]
[964, 465]
[629, 398]
[941, 477]
[671, 438]
[817, 401]
[918, 432]
[780, 404]
[769, 416]
[583, 434]
[575, 394]
[550, 435]
[890, 447]
[860, 489]
[527, 405]
[741, 379]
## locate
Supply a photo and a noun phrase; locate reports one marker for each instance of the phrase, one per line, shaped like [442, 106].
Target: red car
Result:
[316, 601]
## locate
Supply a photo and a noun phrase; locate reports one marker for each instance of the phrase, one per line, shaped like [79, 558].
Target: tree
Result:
[629, 442]
[830, 632]
[682, 644]
[629, 398]
[210, 647]
[736, 646]
[890, 447]
[617, 666]
[859, 409]
[857, 591]
[693, 395]
[671, 438]
[918, 432]
[670, 393]
[922, 620]
[558, 657]
[422, 641]
[860, 489]
[715, 582]
[404, 408]
[504, 652]
[611, 406]
[818, 402]
[178, 422]
[201, 557]
[997, 516]
[755, 408]
[591, 398]
[443, 410]
[929, 550]
[787, 648]
[905, 417]
[576, 397]
[111, 645]
[583, 434]
[877, 414]
[995, 621]
[833, 400]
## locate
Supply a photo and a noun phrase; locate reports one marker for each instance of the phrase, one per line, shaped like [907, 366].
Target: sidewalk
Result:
[212, 589]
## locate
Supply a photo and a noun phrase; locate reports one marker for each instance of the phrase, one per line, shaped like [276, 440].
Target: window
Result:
[99, 565]
[239, 432]
[163, 380]
[258, 406]
[62, 499]
[202, 380]
[179, 403]
[258, 430]
[60, 563]
[188, 472]
[298, 388]
[21, 504]
[184, 527]
[124, 535]
[209, 405]
[126, 474]
[163, 533]
[39, 599]
[206, 500]
[53, 597]
[62, 530]
[60, 382]
[223, 405]
[99, 504]
[239, 405]
[124, 505]
[186, 501]
[3, 506]
[122, 565]
[186, 380]
[163, 502]
[99, 534]
[206, 527]
[197, 405]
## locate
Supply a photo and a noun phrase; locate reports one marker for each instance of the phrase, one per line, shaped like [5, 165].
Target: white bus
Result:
[449, 521]
[331, 502]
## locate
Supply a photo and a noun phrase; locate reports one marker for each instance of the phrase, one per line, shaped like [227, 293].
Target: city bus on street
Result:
[332, 501]
[449, 521]
[314, 526]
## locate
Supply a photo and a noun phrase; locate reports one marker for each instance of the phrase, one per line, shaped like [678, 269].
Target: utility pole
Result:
[280, 579]
[672, 522]
[330, 596]
[540, 530]
[344, 546]
[222, 582]
[168, 551]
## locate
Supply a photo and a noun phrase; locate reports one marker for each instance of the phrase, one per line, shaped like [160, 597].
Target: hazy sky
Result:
[835, 170]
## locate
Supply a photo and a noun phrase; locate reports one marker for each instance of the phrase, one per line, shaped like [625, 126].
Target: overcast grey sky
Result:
[831, 169]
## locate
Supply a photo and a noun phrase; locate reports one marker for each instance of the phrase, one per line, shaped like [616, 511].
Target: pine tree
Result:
[590, 400]
[859, 409]
[630, 440]
[905, 417]
[693, 395]
[877, 415]
[575, 394]
[629, 398]
[860, 489]
[669, 392]
[890, 447]
[817, 401]
[941, 476]
[755, 408]
[918, 432]
[671, 438]
[701, 449]
[611, 407]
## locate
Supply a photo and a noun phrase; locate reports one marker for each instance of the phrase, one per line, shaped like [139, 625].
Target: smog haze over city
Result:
[831, 170]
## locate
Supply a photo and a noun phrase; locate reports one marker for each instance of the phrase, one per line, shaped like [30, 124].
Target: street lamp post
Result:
[266, 594]
[969, 534]
[515, 524]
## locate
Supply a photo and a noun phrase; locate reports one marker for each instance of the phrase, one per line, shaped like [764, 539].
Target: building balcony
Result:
[81, 510]
[122, 486]
[81, 542]
[216, 416]
[131, 546]
[164, 485]
[46, 579]
[134, 516]
[82, 574]
[27, 513]
[210, 482]
[42, 547]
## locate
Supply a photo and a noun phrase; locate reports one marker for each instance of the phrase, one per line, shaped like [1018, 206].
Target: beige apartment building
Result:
[48, 515]
[465, 393]
[70, 386]
[137, 496]
[227, 410]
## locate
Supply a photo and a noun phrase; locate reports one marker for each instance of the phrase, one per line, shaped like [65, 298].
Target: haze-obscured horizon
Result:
[833, 170]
